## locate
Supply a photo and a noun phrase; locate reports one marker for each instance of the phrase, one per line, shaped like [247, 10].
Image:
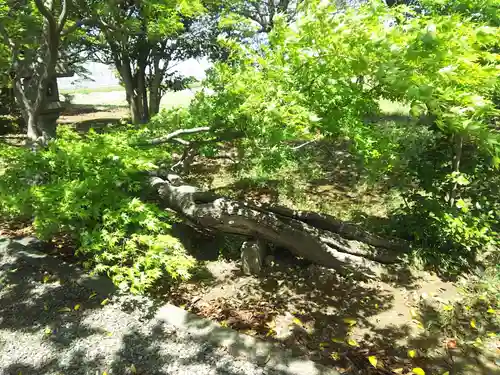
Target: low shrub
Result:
[92, 189]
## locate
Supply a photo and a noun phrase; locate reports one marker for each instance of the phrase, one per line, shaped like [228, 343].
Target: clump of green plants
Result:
[92, 189]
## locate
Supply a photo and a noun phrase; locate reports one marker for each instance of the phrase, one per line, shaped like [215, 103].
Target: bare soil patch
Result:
[331, 319]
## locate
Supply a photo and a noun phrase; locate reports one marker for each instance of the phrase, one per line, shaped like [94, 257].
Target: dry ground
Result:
[334, 320]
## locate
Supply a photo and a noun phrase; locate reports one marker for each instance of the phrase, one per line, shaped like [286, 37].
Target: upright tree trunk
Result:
[154, 100]
[143, 93]
[31, 123]
[31, 106]
[34, 68]
[155, 95]
[135, 109]
[155, 87]
[131, 90]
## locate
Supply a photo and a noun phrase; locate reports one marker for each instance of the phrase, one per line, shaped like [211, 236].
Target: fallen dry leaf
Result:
[451, 343]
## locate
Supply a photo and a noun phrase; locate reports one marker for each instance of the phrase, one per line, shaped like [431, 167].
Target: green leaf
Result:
[418, 371]
[461, 180]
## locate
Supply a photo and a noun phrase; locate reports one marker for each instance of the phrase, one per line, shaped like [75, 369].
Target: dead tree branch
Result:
[304, 234]
[175, 135]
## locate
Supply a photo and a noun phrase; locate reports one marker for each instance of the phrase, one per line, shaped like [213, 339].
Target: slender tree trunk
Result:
[154, 94]
[135, 111]
[458, 141]
[143, 93]
[39, 64]
[26, 101]
[32, 128]
[154, 101]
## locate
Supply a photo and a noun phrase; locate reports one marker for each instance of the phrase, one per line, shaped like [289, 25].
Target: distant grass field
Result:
[86, 91]
[116, 96]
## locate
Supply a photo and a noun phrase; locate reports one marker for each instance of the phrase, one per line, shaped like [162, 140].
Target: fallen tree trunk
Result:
[316, 237]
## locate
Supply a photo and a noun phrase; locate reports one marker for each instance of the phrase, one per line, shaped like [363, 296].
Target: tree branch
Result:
[20, 93]
[181, 141]
[211, 211]
[303, 144]
[46, 14]
[175, 134]
[63, 16]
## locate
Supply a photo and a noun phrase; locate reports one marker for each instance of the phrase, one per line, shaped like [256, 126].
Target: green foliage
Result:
[464, 230]
[479, 10]
[86, 188]
[319, 79]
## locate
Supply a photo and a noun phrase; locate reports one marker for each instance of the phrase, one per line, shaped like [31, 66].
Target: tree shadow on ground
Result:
[100, 125]
[263, 191]
[53, 322]
[316, 313]
[205, 245]
[305, 308]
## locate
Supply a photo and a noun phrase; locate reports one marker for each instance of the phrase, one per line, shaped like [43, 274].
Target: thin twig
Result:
[303, 144]
[181, 141]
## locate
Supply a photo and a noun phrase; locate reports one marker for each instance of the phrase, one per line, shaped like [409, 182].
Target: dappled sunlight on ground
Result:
[334, 320]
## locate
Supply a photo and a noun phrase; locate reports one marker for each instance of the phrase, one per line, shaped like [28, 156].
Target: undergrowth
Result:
[92, 189]
[470, 323]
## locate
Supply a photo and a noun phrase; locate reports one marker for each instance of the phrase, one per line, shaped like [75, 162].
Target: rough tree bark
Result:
[156, 75]
[39, 64]
[317, 237]
[313, 236]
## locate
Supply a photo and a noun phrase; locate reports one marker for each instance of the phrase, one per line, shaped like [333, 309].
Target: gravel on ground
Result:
[52, 325]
